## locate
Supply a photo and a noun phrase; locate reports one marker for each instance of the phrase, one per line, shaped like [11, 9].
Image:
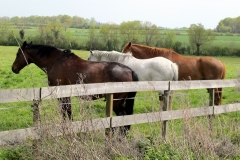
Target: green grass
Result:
[19, 115]
[32, 76]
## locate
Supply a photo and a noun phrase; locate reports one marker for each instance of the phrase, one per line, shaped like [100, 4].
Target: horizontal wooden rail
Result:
[18, 95]
[20, 135]
[200, 84]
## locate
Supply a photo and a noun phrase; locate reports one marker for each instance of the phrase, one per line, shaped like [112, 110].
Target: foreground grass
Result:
[146, 136]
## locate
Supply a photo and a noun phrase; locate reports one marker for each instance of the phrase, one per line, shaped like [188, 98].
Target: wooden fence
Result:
[37, 94]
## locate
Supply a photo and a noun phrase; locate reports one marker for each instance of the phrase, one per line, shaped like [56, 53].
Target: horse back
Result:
[76, 70]
[212, 68]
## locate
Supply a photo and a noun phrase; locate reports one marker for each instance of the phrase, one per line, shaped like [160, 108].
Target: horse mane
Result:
[165, 52]
[112, 54]
[42, 50]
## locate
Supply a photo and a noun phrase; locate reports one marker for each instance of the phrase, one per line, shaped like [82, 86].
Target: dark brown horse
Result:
[190, 68]
[65, 68]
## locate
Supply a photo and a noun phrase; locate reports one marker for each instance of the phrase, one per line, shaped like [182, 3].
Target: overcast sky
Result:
[165, 13]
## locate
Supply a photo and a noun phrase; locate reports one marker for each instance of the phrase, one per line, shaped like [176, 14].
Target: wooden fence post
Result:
[36, 144]
[165, 108]
[211, 103]
[109, 111]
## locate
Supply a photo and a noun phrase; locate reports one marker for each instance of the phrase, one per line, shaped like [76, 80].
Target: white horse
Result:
[153, 69]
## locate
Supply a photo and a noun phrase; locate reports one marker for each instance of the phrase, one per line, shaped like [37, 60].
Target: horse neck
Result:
[137, 51]
[143, 52]
[110, 57]
[45, 62]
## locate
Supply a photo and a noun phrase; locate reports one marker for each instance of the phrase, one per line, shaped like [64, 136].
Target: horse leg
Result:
[128, 110]
[124, 107]
[65, 104]
[218, 96]
[119, 109]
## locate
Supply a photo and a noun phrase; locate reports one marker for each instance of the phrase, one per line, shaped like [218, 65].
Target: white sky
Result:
[165, 13]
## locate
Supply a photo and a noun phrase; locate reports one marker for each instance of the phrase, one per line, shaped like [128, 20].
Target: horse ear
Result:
[90, 51]
[30, 42]
[24, 44]
[129, 44]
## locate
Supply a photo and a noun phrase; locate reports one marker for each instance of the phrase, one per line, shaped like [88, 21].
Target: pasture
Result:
[19, 115]
[32, 76]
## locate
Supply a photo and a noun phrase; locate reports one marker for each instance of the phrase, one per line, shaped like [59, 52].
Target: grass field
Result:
[19, 115]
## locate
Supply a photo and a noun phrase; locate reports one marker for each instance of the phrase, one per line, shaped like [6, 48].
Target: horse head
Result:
[22, 58]
[94, 56]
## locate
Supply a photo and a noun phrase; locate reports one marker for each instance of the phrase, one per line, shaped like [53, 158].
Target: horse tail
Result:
[223, 71]
[134, 76]
[175, 71]
[130, 98]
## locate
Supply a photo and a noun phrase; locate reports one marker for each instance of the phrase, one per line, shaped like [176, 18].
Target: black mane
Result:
[43, 50]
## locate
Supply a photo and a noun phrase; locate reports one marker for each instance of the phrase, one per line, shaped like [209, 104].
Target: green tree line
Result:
[54, 31]
[230, 25]
[65, 20]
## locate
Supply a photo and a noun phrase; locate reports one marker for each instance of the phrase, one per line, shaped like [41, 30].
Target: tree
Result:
[93, 38]
[50, 33]
[130, 31]
[151, 33]
[45, 35]
[56, 28]
[4, 30]
[170, 39]
[109, 34]
[77, 22]
[229, 25]
[236, 25]
[15, 20]
[199, 36]
[66, 21]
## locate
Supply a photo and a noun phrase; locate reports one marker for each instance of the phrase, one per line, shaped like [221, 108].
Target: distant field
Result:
[83, 34]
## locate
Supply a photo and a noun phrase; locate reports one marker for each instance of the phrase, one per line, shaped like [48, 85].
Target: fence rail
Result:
[16, 95]
[28, 94]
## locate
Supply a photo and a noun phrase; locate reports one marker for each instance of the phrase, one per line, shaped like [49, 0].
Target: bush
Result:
[217, 51]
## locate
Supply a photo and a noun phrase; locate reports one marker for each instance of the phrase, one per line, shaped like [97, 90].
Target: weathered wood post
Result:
[109, 111]
[36, 144]
[165, 108]
[211, 103]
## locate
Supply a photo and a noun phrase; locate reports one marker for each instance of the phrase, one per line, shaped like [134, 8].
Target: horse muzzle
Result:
[16, 71]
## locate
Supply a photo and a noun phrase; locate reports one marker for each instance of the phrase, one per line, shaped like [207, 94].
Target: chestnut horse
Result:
[65, 68]
[190, 68]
